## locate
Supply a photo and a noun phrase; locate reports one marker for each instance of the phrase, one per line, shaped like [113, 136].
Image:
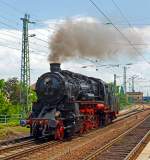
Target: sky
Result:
[47, 14]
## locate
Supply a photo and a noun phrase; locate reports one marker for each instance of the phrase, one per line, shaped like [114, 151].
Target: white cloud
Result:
[10, 59]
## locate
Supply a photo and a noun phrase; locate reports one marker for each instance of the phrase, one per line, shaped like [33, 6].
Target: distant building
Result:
[135, 97]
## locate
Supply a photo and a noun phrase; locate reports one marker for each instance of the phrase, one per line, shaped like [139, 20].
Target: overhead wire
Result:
[41, 40]
[122, 14]
[126, 19]
[10, 47]
[15, 36]
[1, 45]
[9, 20]
[121, 33]
[36, 51]
[12, 36]
[18, 43]
[19, 11]
[14, 8]
[9, 26]
[11, 6]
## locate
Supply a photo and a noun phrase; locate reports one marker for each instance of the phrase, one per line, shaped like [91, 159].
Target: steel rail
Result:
[29, 150]
[16, 140]
[108, 145]
[137, 147]
[15, 146]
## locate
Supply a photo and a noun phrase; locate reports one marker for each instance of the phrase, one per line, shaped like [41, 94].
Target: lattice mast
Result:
[25, 66]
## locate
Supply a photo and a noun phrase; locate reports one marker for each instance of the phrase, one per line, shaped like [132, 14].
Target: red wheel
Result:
[59, 132]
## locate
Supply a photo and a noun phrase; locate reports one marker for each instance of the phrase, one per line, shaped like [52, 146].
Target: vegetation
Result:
[123, 102]
[11, 130]
[9, 97]
[119, 92]
[10, 106]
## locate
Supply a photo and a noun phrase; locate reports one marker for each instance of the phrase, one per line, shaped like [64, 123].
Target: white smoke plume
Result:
[88, 37]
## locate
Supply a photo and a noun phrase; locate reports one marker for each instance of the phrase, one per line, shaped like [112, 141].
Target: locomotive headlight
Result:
[47, 81]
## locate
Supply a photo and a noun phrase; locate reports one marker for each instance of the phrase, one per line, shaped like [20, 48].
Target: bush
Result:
[123, 102]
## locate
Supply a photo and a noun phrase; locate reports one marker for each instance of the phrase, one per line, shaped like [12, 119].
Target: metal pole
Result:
[124, 78]
[115, 80]
[129, 86]
[133, 84]
[115, 84]
[25, 66]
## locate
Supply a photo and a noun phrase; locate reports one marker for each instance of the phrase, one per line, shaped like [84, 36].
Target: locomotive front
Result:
[50, 87]
[45, 116]
[69, 103]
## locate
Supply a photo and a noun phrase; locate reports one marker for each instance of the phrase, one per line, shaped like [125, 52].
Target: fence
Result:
[14, 117]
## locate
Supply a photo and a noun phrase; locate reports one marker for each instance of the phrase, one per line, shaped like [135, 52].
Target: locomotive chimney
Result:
[55, 67]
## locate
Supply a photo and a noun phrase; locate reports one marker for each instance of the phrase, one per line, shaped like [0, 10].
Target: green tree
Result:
[2, 84]
[122, 99]
[4, 104]
[119, 92]
[10, 97]
[12, 90]
[32, 96]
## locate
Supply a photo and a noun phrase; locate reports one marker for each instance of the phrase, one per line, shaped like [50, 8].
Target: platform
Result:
[145, 154]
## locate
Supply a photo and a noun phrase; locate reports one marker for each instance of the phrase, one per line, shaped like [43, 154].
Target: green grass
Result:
[21, 129]
[12, 130]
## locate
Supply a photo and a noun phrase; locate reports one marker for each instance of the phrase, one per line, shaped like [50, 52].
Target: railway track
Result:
[12, 147]
[16, 140]
[125, 146]
[28, 146]
[130, 113]
[20, 150]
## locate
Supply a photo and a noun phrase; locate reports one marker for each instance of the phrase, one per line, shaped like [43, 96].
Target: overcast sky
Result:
[48, 14]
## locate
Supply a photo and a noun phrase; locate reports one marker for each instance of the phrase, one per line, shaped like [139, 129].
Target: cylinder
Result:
[55, 67]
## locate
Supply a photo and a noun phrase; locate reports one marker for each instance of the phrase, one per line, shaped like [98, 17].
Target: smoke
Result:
[88, 37]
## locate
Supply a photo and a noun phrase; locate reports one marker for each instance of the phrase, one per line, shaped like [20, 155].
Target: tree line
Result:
[10, 97]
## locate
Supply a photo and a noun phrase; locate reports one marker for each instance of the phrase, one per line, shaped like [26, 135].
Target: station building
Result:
[134, 97]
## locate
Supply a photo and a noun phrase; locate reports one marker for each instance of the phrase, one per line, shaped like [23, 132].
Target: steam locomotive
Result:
[70, 103]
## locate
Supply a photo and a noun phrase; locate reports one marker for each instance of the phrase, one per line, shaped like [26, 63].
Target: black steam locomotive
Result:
[70, 103]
